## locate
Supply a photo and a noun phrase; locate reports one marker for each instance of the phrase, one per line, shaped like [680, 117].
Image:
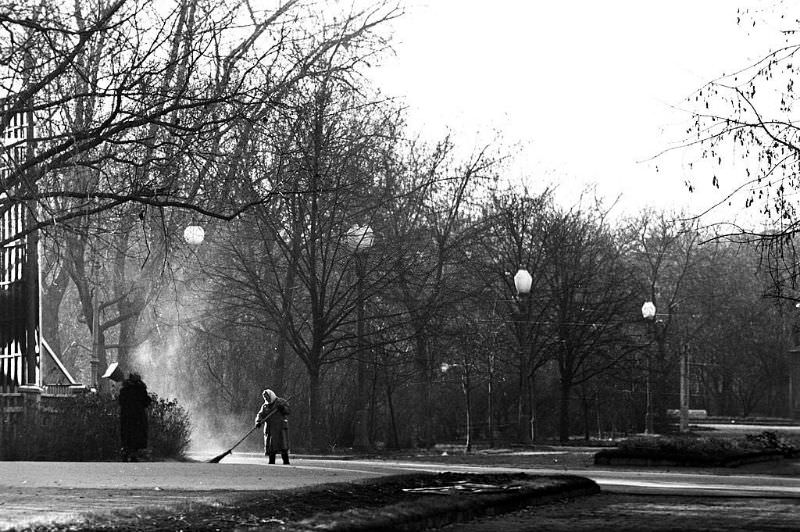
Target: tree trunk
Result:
[523, 400]
[360, 424]
[127, 335]
[585, 404]
[534, 428]
[52, 296]
[286, 307]
[421, 429]
[315, 427]
[395, 436]
[465, 385]
[130, 302]
[103, 385]
[563, 413]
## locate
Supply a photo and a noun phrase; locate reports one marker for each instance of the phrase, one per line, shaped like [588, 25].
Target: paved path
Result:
[636, 513]
[249, 472]
[45, 491]
[42, 492]
[682, 481]
[652, 482]
[245, 475]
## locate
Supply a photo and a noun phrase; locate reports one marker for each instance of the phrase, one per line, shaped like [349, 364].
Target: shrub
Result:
[86, 428]
[771, 441]
[169, 428]
[698, 450]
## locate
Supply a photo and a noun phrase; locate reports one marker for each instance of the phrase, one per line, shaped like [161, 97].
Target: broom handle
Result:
[249, 432]
[244, 437]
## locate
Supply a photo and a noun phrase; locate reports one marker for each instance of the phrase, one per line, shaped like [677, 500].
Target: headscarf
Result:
[269, 396]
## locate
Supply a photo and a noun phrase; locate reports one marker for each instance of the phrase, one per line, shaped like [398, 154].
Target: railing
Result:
[30, 411]
[15, 330]
[12, 303]
[10, 372]
[12, 410]
[58, 389]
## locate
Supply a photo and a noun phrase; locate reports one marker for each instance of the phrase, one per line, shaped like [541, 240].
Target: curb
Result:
[675, 460]
[443, 510]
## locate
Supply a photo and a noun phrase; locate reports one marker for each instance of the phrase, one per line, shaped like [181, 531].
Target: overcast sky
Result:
[587, 88]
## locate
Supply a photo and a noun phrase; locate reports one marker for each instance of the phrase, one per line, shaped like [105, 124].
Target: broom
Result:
[219, 457]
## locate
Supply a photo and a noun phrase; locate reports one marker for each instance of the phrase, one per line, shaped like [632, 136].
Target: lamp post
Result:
[649, 314]
[685, 389]
[490, 366]
[359, 240]
[523, 282]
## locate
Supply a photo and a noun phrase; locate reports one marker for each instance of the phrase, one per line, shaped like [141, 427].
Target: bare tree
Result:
[590, 287]
[428, 217]
[135, 96]
[665, 251]
[513, 240]
[146, 108]
[743, 138]
[296, 268]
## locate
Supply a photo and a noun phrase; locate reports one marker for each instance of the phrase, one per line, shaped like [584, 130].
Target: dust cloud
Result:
[168, 371]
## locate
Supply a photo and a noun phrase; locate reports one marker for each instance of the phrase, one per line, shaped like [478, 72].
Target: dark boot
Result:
[285, 456]
[271, 458]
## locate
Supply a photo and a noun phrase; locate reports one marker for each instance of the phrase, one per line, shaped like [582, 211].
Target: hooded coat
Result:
[274, 413]
[133, 402]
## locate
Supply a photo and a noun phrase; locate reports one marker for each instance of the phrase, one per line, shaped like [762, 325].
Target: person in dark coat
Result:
[274, 414]
[133, 403]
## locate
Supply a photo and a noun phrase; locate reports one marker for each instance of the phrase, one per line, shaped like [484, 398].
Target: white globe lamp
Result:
[194, 235]
[360, 238]
[523, 281]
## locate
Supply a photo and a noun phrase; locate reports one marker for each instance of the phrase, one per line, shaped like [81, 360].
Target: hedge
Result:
[86, 428]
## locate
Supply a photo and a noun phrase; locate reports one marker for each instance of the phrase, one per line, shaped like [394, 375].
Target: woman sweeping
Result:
[274, 414]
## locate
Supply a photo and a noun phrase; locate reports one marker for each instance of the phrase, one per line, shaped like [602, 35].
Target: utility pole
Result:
[95, 377]
[684, 419]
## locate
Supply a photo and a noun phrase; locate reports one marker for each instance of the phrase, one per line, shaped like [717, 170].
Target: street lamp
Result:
[194, 235]
[359, 239]
[649, 314]
[648, 310]
[523, 282]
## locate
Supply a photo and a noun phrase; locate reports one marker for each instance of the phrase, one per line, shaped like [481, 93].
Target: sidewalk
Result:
[634, 513]
[172, 495]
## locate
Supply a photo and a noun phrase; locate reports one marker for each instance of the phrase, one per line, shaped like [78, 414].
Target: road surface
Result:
[46, 491]
[613, 480]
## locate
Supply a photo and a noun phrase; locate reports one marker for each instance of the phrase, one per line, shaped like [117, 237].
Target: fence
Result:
[29, 412]
[19, 270]
[12, 302]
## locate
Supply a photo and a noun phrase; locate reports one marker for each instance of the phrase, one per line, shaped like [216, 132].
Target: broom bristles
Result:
[219, 457]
